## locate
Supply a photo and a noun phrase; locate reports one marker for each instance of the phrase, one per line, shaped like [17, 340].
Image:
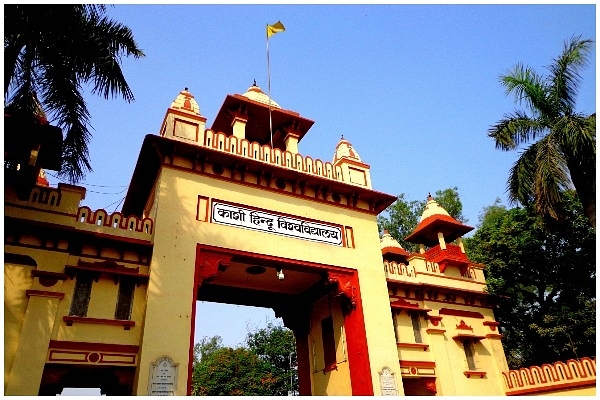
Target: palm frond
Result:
[551, 177]
[577, 135]
[565, 75]
[111, 41]
[516, 129]
[54, 60]
[527, 87]
[519, 186]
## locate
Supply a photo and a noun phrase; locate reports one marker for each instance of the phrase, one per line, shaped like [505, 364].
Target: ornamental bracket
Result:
[343, 288]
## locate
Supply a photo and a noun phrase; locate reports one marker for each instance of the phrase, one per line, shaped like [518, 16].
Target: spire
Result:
[435, 220]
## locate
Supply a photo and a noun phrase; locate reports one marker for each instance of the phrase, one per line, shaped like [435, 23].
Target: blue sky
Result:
[414, 88]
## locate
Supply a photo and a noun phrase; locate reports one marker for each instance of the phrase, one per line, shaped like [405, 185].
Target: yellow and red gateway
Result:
[236, 214]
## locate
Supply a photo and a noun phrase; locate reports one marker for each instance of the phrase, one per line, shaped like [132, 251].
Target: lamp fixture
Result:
[280, 275]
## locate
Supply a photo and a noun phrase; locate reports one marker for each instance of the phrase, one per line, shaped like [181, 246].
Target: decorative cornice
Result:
[43, 293]
[126, 324]
[461, 313]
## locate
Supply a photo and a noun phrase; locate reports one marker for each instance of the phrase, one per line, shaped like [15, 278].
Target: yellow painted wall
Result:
[17, 279]
[336, 382]
[177, 233]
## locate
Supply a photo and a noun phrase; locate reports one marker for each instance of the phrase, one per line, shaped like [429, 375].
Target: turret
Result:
[256, 117]
[183, 120]
[437, 228]
[354, 170]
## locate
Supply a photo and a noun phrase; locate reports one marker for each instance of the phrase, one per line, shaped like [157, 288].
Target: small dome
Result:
[391, 249]
[388, 241]
[345, 149]
[185, 101]
[433, 208]
[255, 93]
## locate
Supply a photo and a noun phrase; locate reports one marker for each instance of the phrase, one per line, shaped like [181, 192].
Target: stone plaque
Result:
[163, 377]
[387, 382]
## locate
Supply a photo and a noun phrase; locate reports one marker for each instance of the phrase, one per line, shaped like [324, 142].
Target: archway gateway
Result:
[223, 214]
[301, 293]
[241, 220]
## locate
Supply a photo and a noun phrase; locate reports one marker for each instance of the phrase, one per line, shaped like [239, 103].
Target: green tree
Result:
[276, 345]
[265, 365]
[50, 53]
[563, 152]
[233, 372]
[402, 217]
[206, 347]
[542, 276]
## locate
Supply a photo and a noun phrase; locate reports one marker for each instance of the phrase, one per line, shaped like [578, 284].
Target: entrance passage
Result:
[231, 322]
[112, 381]
[256, 355]
[303, 294]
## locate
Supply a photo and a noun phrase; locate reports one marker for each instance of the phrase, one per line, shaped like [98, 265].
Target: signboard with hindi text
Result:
[271, 222]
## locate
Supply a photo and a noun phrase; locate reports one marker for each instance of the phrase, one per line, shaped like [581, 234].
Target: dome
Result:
[388, 241]
[255, 93]
[390, 247]
[433, 208]
[345, 150]
[185, 101]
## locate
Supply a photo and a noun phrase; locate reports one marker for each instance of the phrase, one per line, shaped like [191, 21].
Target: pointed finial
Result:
[342, 137]
[429, 197]
[255, 83]
[186, 89]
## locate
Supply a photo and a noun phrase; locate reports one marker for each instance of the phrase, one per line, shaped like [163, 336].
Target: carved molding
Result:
[429, 384]
[344, 288]
[464, 326]
[209, 264]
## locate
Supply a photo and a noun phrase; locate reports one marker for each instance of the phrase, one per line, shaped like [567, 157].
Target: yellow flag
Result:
[273, 29]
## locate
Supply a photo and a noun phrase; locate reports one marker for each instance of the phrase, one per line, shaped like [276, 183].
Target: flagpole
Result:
[269, 89]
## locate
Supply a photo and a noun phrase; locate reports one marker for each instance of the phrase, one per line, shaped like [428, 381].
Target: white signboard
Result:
[163, 377]
[387, 382]
[265, 221]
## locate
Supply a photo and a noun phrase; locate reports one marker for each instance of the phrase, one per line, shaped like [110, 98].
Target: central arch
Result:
[297, 291]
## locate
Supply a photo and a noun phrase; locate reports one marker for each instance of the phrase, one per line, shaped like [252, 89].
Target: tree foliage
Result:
[277, 345]
[403, 216]
[206, 347]
[233, 372]
[264, 366]
[562, 153]
[50, 52]
[542, 276]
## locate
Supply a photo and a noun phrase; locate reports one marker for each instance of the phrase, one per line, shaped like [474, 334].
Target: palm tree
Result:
[563, 153]
[50, 52]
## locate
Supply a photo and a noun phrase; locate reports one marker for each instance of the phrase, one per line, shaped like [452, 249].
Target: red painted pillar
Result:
[207, 265]
[356, 335]
[303, 357]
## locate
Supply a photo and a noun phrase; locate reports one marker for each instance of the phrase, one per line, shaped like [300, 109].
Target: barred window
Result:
[81, 294]
[416, 325]
[125, 299]
[328, 343]
[469, 353]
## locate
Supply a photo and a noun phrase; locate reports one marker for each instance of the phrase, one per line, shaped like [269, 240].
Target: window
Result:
[81, 294]
[469, 353]
[328, 343]
[125, 299]
[416, 325]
